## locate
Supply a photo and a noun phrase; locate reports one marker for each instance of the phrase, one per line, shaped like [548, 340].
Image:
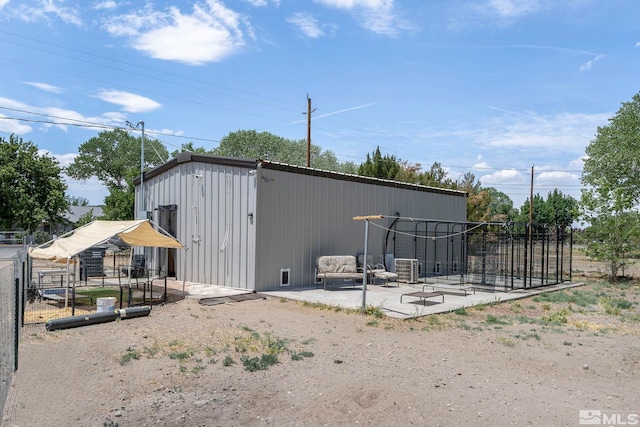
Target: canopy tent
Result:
[136, 233]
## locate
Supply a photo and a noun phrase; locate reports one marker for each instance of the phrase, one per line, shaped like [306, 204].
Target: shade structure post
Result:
[364, 270]
[366, 219]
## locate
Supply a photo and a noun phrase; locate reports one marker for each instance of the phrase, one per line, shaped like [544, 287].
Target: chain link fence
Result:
[11, 279]
[490, 255]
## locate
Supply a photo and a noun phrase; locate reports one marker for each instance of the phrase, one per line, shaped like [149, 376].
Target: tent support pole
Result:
[365, 270]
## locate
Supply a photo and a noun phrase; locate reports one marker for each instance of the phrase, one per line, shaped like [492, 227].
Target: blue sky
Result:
[491, 87]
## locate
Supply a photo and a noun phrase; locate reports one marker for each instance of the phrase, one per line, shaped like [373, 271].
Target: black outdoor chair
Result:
[137, 267]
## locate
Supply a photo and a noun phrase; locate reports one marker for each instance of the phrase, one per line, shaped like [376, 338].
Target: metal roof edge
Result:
[187, 156]
[357, 178]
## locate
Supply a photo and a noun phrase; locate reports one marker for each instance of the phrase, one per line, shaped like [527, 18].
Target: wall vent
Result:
[285, 276]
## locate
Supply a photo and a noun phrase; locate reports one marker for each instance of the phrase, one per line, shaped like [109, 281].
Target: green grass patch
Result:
[516, 307]
[461, 311]
[276, 345]
[253, 364]
[130, 355]
[631, 318]
[228, 361]
[557, 317]
[493, 320]
[528, 320]
[301, 355]
[180, 355]
[528, 335]
[614, 306]
[198, 368]
[153, 350]
[581, 298]
[373, 311]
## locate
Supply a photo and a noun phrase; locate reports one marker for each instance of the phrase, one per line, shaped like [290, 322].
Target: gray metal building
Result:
[260, 225]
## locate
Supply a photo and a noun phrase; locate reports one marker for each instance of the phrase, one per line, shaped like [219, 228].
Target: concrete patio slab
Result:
[388, 298]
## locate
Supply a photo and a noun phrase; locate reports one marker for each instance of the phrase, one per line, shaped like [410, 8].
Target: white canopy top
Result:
[135, 233]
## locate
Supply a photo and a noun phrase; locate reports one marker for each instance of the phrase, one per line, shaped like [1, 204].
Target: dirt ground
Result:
[536, 361]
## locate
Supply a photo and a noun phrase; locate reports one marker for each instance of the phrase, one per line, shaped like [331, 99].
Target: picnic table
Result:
[423, 296]
[450, 288]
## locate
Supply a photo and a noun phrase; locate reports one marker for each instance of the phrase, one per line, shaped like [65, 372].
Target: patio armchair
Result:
[375, 270]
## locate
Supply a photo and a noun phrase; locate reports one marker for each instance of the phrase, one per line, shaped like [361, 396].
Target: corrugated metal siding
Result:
[300, 217]
[214, 202]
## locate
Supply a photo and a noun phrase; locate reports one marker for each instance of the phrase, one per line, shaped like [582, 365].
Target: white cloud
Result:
[46, 9]
[377, 16]
[129, 101]
[13, 126]
[481, 165]
[511, 8]
[63, 159]
[106, 5]
[351, 4]
[482, 13]
[504, 176]
[52, 117]
[45, 87]
[257, 3]
[3, 3]
[210, 33]
[553, 177]
[587, 66]
[577, 164]
[62, 118]
[564, 132]
[91, 189]
[307, 24]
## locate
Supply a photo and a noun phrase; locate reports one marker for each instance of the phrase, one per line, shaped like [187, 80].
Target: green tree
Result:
[557, 210]
[251, 144]
[611, 176]
[77, 201]
[113, 157]
[379, 166]
[119, 203]
[409, 172]
[31, 186]
[613, 231]
[500, 206]
[436, 176]
[85, 219]
[188, 147]
[537, 216]
[561, 210]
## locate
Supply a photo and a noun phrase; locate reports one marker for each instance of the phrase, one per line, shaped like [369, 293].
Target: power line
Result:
[94, 125]
[137, 66]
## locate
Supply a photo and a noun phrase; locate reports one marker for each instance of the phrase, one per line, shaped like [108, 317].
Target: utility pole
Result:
[143, 207]
[530, 232]
[308, 113]
[531, 199]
